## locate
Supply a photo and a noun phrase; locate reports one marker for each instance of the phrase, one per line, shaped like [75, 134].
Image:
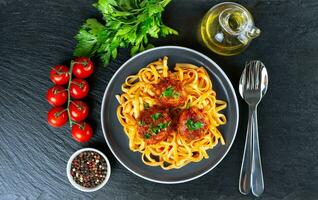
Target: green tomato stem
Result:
[58, 71]
[74, 122]
[59, 113]
[83, 63]
[78, 84]
[69, 95]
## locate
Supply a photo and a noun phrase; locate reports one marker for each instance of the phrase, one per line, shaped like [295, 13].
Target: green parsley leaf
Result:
[161, 125]
[175, 95]
[192, 126]
[165, 30]
[156, 116]
[89, 35]
[156, 129]
[147, 135]
[146, 105]
[164, 125]
[141, 123]
[170, 92]
[128, 23]
[167, 92]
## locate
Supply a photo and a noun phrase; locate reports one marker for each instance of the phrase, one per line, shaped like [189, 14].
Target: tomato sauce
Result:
[175, 114]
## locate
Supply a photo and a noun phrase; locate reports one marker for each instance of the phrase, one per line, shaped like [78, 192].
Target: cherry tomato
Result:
[59, 75]
[79, 88]
[83, 67]
[82, 132]
[79, 110]
[57, 116]
[56, 95]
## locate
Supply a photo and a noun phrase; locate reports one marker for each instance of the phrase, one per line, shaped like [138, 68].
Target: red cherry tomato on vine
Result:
[56, 95]
[83, 67]
[57, 116]
[79, 88]
[79, 110]
[59, 75]
[82, 132]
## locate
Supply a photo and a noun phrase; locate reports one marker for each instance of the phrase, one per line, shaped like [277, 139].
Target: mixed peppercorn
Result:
[89, 169]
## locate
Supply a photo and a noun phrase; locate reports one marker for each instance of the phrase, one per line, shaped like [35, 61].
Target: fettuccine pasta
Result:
[170, 117]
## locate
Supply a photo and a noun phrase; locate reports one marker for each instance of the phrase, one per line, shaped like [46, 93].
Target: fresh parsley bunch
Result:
[128, 23]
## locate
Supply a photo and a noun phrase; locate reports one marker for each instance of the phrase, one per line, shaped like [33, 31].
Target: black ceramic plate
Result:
[118, 141]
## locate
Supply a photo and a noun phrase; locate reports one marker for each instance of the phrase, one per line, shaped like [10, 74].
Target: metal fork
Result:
[253, 86]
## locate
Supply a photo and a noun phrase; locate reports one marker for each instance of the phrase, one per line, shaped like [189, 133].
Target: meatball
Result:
[192, 124]
[154, 125]
[170, 92]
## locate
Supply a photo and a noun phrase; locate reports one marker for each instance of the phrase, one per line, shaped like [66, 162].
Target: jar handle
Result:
[247, 36]
[254, 32]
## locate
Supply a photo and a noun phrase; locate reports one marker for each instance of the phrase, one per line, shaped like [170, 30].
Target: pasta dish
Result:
[170, 117]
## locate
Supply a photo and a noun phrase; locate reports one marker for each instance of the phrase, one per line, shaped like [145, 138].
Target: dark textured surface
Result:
[38, 34]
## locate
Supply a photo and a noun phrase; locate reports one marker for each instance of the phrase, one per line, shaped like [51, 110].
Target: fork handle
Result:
[251, 176]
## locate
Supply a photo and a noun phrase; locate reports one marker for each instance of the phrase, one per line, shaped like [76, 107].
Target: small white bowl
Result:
[79, 187]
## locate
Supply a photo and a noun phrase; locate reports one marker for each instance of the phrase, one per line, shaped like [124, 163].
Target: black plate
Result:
[118, 141]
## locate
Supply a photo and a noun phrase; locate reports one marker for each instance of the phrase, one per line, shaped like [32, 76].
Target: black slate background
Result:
[35, 35]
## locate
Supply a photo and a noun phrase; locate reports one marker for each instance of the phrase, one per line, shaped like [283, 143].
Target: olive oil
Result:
[227, 29]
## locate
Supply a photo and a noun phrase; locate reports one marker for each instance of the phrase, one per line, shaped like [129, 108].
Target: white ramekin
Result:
[79, 187]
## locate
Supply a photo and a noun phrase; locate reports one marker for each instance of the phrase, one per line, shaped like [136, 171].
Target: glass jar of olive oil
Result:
[228, 28]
